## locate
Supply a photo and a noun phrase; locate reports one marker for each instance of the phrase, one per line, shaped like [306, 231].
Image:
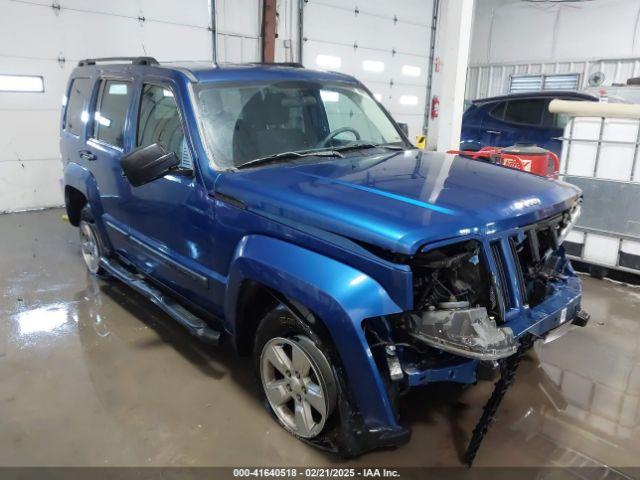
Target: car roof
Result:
[540, 94]
[205, 72]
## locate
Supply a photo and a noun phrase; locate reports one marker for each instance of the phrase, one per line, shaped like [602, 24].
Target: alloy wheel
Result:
[297, 382]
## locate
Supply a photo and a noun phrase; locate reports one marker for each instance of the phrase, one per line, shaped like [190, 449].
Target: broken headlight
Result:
[469, 332]
[570, 221]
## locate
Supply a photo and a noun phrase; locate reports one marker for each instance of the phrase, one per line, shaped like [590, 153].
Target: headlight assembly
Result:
[570, 222]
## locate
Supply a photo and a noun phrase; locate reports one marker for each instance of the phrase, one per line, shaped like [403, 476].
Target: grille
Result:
[503, 295]
[516, 261]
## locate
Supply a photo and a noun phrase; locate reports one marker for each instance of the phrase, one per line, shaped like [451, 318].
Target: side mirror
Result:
[404, 127]
[147, 164]
[470, 146]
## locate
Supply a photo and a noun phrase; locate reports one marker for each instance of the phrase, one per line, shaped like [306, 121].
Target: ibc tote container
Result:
[600, 155]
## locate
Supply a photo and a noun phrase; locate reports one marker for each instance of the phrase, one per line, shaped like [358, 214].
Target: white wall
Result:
[514, 31]
[33, 35]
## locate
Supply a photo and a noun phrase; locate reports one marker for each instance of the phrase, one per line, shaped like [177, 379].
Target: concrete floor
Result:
[92, 374]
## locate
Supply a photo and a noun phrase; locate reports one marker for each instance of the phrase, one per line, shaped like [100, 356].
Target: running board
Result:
[195, 325]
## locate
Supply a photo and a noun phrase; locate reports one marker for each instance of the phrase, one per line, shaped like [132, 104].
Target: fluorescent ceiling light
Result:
[408, 100]
[411, 70]
[104, 121]
[328, 61]
[118, 89]
[373, 66]
[329, 96]
[21, 83]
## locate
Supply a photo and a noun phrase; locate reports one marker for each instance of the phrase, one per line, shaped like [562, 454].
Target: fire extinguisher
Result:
[435, 107]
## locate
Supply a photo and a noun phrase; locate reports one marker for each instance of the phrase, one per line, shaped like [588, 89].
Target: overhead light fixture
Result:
[328, 61]
[411, 70]
[21, 83]
[104, 121]
[408, 100]
[329, 96]
[118, 89]
[373, 66]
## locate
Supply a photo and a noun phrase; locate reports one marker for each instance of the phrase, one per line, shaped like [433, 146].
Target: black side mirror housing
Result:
[146, 164]
[470, 146]
[404, 127]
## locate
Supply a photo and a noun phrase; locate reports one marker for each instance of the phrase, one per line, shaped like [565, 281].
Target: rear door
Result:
[105, 146]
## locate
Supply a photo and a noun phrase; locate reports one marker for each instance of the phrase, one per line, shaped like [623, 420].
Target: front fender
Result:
[338, 294]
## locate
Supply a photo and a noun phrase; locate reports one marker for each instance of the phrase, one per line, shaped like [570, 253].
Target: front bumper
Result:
[549, 320]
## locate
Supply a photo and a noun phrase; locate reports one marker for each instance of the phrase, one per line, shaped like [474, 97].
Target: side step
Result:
[195, 325]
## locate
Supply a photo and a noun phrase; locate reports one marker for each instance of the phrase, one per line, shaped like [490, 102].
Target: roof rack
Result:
[279, 64]
[133, 60]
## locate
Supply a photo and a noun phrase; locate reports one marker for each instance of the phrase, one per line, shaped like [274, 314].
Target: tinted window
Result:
[111, 112]
[76, 101]
[159, 122]
[498, 110]
[525, 111]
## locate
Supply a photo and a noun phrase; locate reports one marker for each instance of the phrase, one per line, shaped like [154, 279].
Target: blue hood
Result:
[401, 200]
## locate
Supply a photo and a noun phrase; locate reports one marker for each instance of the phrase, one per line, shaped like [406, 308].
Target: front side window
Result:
[75, 116]
[159, 122]
[246, 122]
[111, 112]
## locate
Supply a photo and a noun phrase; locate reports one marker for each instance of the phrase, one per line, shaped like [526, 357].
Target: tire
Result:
[598, 272]
[296, 372]
[91, 244]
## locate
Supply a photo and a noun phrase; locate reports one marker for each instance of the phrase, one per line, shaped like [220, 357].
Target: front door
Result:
[170, 221]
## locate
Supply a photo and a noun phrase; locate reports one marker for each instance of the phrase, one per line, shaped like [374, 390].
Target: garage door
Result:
[238, 26]
[384, 44]
[45, 39]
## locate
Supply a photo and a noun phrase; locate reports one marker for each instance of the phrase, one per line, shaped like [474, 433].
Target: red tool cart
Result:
[527, 157]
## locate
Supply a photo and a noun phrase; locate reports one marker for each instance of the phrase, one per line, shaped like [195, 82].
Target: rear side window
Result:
[111, 112]
[159, 122]
[527, 112]
[78, 95]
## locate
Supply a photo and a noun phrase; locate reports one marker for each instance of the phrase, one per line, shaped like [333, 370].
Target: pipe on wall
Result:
[214, 46]
[432, 53]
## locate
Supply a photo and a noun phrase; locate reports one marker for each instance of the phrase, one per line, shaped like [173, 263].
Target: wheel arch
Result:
[337, 294]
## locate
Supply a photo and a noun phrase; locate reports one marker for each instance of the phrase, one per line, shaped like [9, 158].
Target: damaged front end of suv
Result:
[479, 303]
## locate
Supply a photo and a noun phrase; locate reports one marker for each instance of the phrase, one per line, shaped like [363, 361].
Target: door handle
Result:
[87, 155]
[494, 132]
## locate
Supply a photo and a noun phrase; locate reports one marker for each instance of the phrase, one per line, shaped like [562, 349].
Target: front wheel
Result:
[296, 375]
[90, 245]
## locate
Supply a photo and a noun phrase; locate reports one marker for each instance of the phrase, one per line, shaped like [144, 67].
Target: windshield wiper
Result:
[363, 145]
[290, 155]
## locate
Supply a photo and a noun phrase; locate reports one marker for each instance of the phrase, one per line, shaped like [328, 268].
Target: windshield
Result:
[247, 122]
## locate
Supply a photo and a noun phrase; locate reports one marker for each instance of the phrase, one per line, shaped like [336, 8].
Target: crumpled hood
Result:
[398, 200]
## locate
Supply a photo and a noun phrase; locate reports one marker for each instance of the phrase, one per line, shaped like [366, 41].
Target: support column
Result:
[269, 31]
[452, 50]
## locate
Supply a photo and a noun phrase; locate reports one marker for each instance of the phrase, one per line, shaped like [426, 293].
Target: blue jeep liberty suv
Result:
[284, 210]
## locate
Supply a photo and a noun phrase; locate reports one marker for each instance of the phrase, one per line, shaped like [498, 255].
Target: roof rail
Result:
[133, 60]
[279, 64]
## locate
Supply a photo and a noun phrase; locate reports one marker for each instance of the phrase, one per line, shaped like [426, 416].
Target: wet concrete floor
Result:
[91, 374]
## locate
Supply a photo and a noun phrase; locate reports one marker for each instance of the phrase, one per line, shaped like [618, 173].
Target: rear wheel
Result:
[90, 244]
[295, 372]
